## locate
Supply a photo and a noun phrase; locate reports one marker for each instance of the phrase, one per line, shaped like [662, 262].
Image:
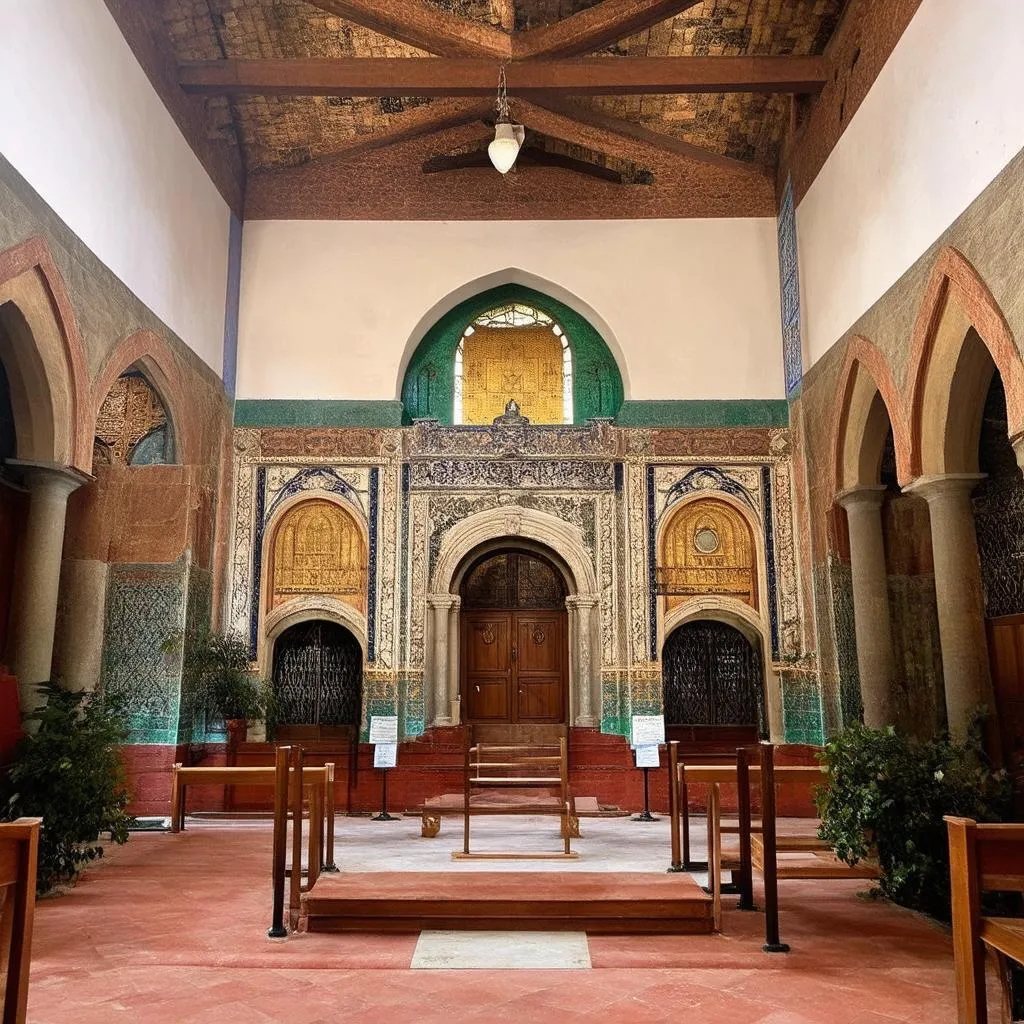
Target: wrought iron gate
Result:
[318, 675]
[712, 675]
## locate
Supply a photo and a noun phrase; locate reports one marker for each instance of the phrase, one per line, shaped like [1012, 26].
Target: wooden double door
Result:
[514, 666]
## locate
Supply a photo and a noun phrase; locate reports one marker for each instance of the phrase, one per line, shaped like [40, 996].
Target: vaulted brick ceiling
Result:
[291, 130]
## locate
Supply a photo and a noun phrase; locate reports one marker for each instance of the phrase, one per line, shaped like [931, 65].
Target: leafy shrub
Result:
[69, 773]
[220, 682]
[888, 793]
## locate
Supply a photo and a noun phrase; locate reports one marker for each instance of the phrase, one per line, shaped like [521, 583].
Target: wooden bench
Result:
[317, 783]
[983, 858]
[491, 768]
[19, 851]
[759, 842]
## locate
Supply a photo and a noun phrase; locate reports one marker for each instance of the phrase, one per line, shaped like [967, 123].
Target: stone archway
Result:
[511, 526]
[47, 377]
[871, 421]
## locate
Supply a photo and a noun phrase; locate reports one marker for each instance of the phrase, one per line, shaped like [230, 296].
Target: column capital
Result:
[51, 475]
[444, 602]
[944, 485]
[581, 601]
[870, 495]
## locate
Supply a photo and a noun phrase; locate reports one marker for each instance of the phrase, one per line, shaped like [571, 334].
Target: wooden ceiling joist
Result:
[424, 26]
[595, 28]
[581, 76]
[414, 124]
[604, 133]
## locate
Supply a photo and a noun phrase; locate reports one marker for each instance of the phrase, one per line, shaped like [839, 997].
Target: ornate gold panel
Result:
[707, 548]
[524, 363]
[319, 549]
[131, 410]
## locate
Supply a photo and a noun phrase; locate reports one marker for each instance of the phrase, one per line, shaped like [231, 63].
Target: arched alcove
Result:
[317, 680]
[713, 682]
[317, 548]
[133, 427]
[428, 383]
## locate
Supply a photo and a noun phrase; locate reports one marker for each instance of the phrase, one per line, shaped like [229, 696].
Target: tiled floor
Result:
[172, 928]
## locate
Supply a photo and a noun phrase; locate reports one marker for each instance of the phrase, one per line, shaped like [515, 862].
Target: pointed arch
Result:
[959, 336]
[426, 374]
[869, 403]
[47, 361]
[147, 352]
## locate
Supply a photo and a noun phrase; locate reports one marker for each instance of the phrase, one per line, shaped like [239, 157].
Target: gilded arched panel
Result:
[707, 548]
[319, 549]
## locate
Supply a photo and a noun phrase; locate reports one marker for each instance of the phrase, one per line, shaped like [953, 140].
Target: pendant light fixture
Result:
[508, 137]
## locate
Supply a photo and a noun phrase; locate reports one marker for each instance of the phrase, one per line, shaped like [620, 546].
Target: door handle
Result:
[515, 653]
[477, 687]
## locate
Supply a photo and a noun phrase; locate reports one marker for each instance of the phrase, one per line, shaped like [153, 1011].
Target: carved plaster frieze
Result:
[501, 441]
[560, 474]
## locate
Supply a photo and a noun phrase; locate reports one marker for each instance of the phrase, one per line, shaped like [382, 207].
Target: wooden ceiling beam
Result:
[439, 76]
[606, 134]
[424, 26]
[414, 124]
[595, 28]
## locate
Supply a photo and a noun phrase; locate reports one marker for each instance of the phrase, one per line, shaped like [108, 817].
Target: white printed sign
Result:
[385, 755]
[647, 757]
[384, 729]
[648, 730]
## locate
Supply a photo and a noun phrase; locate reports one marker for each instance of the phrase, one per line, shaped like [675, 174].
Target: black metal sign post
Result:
[646, 815]
[384, 816]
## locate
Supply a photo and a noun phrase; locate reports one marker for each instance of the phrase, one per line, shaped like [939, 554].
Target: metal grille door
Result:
[712, 675]
[318, 675]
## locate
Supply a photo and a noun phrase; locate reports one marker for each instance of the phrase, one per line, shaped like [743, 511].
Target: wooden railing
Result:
[759, 841]
[983, 858]
[19, 850]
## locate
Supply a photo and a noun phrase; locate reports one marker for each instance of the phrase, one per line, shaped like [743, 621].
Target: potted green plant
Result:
[221, 683]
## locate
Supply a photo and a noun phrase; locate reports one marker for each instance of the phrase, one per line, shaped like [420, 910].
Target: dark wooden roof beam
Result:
[424, 26]
[595, 28]
[582, 76]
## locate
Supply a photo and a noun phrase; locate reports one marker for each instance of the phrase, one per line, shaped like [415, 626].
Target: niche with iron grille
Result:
[712, 676]
[317, 676]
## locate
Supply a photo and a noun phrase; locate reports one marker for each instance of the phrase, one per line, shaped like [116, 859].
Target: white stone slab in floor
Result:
[466, 951]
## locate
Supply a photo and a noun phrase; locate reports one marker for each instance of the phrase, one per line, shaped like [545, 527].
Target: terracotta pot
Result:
[237, 728]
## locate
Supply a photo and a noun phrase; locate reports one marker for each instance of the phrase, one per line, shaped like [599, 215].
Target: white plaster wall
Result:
[328, 308]
[943, 118]
[80, 121]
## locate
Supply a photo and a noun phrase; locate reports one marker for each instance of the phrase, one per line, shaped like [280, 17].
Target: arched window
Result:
[133, 428]
[513, 351]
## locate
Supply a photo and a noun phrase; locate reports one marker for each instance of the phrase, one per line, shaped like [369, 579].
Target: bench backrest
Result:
[19, 850]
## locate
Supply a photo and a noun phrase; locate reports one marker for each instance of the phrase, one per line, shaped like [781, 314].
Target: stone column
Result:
[958, 593]
[37, 578]
[453, 660]
[581, 624]
[875, 661]
[440, 606]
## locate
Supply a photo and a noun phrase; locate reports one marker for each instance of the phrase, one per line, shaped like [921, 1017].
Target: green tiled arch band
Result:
[429, 384]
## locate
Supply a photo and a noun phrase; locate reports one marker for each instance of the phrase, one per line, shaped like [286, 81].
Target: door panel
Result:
[514, 666]
[487, 646]
[538, 659]
[486, 652]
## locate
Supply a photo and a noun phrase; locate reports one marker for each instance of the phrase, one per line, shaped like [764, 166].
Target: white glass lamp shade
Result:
[505, 147]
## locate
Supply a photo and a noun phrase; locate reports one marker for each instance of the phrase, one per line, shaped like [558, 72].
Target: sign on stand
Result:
[384, 737]
[646, 733]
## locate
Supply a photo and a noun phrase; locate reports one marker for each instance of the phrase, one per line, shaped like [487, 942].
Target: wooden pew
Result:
[983, 858]
[759, 842]
[19, 851]
[318, 781]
